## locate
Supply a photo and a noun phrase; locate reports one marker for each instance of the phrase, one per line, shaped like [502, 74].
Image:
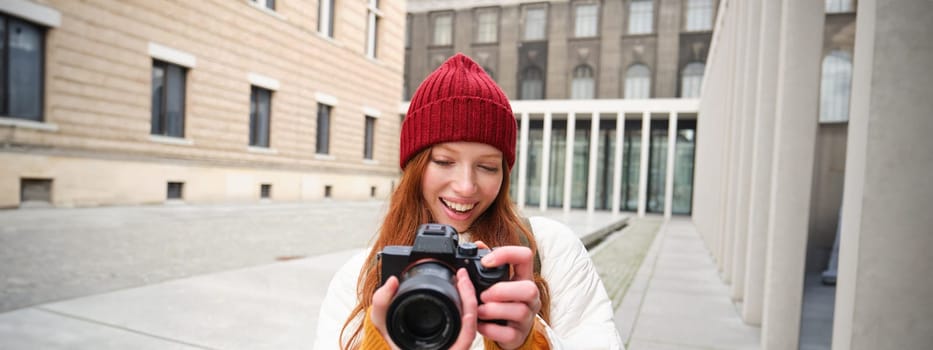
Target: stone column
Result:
[523, 160]
[671, 153]
[884, 285]
[568, 159]
[762, 149]
[594, 156]
[643, 163]
[799, 59]
[617, 163]
[746, 113]
[545, 160]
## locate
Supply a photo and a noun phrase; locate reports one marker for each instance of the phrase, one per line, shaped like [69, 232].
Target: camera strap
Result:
[525, 242]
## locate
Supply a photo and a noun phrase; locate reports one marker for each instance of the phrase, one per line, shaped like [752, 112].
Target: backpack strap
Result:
[525, 242]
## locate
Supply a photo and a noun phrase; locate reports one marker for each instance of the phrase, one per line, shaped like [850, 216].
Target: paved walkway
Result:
[675, 302]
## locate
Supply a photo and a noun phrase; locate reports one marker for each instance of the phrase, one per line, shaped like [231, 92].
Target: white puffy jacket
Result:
[581, 313]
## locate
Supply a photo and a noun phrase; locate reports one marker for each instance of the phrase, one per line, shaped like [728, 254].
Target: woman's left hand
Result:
[516, 301]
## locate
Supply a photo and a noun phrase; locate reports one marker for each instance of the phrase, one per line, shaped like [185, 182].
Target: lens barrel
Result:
[425, 312]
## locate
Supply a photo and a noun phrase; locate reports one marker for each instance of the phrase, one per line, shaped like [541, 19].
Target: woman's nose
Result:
[465, 182]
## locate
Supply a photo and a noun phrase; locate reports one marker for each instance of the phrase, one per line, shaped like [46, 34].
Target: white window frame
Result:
[326, 17]
[641, 17]
[373, 15]
[527, 33]
[588, 26]
[486, 33]
[699, 16]
[443, 37]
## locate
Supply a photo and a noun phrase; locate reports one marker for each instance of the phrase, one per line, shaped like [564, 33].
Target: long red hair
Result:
[499, 225]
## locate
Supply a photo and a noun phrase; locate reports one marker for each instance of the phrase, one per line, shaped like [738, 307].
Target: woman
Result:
[457, 147]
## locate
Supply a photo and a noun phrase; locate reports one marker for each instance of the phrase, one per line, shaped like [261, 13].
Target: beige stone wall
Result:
[81, 182]
[97, 100]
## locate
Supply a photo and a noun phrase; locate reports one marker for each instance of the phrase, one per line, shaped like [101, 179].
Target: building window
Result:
[260, 107]
[586, 20]
[838, 6]
[638, 81]
[372, 27]
[583, 85]
[322, 146]
[641, 17]
[443, 29]
[835, 87]
[699, 15]
[408, 20]
[325, 16]
[535, 23]
[487, 26]
[265, 191]
[269, 4]
[690, 80]
[168, 99]
[532, 84]
[22, 58]
[370, 130]
[175, 190]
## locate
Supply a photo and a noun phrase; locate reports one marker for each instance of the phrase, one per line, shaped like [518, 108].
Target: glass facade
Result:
[605, 157]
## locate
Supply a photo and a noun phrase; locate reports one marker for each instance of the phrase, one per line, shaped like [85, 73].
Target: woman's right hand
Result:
[383, 297]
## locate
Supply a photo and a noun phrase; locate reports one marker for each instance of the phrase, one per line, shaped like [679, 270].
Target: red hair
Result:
[499, 225]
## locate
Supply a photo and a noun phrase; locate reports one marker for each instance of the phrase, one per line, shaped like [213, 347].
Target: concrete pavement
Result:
[274, 304]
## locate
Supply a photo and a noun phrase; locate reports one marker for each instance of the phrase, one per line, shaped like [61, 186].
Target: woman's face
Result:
[461, 181]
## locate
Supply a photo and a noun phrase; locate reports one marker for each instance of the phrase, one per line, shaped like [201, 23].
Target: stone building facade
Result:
[134, 102]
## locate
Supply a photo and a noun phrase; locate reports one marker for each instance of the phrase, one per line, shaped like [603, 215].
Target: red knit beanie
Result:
[458, 102]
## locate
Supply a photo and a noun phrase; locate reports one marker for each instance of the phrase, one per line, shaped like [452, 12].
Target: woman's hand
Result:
[468, 310]
[516, 301]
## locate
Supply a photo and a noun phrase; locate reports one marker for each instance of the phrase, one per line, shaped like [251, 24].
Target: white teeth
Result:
[458, 206]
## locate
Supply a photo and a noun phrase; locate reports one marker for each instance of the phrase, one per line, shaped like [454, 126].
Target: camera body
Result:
[440, 243]
[425, 312]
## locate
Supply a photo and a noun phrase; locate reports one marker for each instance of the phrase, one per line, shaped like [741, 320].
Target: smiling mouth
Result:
[458, 207]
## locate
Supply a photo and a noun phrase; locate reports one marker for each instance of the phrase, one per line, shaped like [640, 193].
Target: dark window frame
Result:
[161, 120]
[258, 138]
[6, 86]
[369, 128]
[322, 135]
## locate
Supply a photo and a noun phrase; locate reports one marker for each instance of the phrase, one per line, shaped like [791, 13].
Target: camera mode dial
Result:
[467, 249]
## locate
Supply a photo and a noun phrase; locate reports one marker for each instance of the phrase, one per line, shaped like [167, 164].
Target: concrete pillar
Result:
[669, 176]
[746, 113]
[594, 157]
[523, 160]
[617, 163]
[883, 291]
[545, 160]
[727, 178]
[643, 163]
[568, 159]
[799, 59]
[762, 148]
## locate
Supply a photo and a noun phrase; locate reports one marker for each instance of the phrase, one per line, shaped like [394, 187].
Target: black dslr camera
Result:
[425, 312]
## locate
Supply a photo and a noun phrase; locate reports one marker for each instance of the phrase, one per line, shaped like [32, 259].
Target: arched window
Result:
[638, 81]
[690, 80]
[835, 87]
[532, 86]
[583, 85]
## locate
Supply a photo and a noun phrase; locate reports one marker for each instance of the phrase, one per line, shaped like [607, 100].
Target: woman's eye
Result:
[491, 169]
[442, 162]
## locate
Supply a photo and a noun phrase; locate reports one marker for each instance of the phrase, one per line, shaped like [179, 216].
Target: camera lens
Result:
[425, 313]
